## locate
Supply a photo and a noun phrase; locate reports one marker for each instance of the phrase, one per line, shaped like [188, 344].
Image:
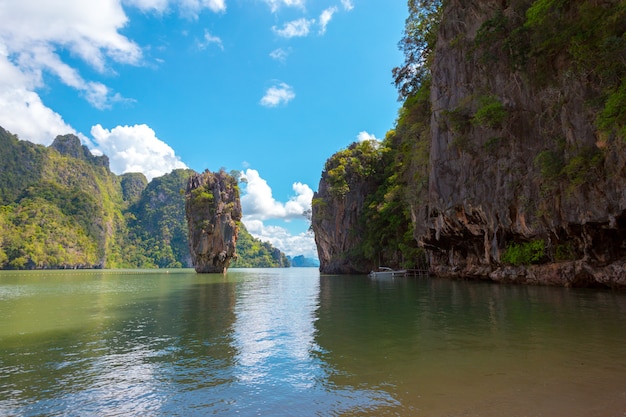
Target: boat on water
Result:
[386, 272]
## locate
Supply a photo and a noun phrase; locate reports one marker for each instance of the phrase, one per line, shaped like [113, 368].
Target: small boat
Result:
[385, 272]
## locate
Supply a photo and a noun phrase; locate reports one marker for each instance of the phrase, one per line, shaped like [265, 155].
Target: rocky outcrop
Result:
[213, 210]
[514, 168]
[516, 157]
[337, 209]
[69, 145]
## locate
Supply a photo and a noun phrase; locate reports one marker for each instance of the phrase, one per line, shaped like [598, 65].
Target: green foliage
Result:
[490, 113]
[525, 253]
[613, 117]
[254, 253]
[360, 160]
[417, 44]
[157, 226]
[21, 165]
[66, 209]
[550, 164]
[585, 167]
[565, 252]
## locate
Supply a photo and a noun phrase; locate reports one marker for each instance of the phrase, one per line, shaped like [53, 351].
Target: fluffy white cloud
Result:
[259, 204]
[22, 111]
[347, 4]
[296, 28]
[278, 94]
[326, 17]
[363, 136]
[290, 244]
[135, 149]
[33, 31]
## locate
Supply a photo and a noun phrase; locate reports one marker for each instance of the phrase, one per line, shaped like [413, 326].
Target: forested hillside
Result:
[507, 160]
[61, 207]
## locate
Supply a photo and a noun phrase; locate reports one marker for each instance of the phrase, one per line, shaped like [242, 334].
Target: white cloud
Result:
[295, 28]
[279, 94]
[210, 39]
[363, 136]
[279, 237]
[280, 54]
[347, 4]
[22, 111]
[88, 29]
[188, 7]
[135, 149]
[259, 204]
[325, 18]
[30, 36]
[277, 4]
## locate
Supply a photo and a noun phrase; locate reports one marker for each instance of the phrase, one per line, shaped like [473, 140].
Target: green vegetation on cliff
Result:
[254, 253]
[61, 207]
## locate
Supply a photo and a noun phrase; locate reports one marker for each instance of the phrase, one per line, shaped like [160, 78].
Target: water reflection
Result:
[289, 342]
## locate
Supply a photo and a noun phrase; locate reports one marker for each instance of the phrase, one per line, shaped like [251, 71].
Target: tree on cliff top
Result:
[417, 44]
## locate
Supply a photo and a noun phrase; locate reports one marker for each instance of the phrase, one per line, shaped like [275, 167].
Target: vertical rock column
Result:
[213, 210]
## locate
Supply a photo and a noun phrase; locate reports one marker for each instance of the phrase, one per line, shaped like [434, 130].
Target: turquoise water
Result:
[287, 342]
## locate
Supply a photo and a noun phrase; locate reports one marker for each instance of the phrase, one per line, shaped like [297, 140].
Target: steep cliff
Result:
[509, 150]
[359, 214]
[523, 185]
[337, 209]
[213, 211]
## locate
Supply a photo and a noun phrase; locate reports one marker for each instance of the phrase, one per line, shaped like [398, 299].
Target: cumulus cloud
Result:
[363, 136]
[259, 204]
[290, 244]
[32, 32]
[21, 110]
[135, 149]
[296, 28]
[325, 18]
[278, 94]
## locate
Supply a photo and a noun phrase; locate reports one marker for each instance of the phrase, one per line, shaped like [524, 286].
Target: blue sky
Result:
[269, 87]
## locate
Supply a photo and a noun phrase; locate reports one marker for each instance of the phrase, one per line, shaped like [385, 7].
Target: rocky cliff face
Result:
[514, 166]
[516, 158]
[213, 210]
[338, 206]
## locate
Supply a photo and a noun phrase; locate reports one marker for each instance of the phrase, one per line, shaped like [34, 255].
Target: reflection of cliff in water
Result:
[456, 348]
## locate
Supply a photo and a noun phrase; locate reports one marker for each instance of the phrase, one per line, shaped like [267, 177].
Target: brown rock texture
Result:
[337, 208]
[213, 211]
[542, 171]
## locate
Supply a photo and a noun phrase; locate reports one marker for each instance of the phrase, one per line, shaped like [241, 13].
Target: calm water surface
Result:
[287, 342]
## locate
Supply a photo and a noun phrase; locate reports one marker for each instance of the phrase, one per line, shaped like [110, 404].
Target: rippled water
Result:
[287, 342]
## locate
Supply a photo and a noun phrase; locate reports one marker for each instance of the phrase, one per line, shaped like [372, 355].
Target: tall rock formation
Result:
[213, 211]
[522, 171]
[337, 209]
[516, 156]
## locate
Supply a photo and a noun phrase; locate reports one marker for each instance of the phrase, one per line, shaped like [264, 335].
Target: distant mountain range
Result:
[301, 261]
[62, 207]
